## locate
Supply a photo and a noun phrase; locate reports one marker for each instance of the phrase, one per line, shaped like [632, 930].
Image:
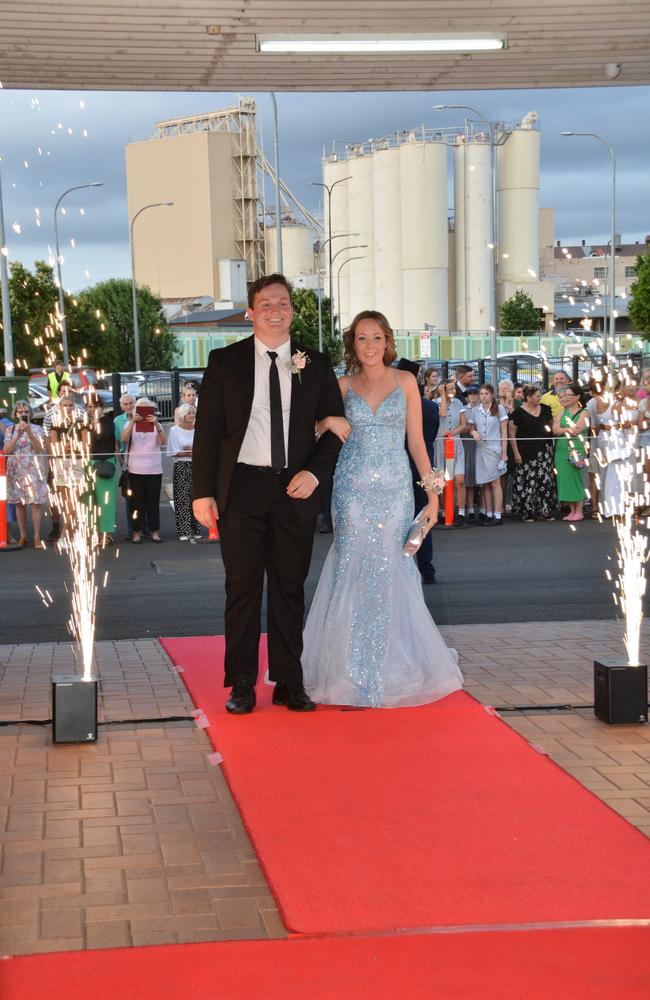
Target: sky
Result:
[52, 140]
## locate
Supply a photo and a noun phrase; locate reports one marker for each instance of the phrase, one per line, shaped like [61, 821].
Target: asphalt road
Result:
[537, 572]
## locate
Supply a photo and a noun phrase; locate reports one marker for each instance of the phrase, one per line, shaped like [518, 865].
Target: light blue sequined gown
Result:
[369, 638]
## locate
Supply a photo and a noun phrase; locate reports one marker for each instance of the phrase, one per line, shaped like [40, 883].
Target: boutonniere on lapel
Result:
[299, 360]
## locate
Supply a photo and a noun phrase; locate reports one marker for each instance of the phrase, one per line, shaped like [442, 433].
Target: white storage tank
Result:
[360, 272]
[388, 234]
[297, 251]
[518, 202]
[458, 321]
[479, 257]
[423, 186]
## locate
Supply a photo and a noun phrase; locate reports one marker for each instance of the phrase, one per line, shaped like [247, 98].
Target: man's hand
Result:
[206, 511]
[301, 486]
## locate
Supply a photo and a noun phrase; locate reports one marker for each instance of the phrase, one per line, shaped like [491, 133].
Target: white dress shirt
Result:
[256, 446]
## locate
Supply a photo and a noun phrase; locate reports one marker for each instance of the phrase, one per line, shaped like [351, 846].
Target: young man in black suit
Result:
[256, 466]
[464, 378]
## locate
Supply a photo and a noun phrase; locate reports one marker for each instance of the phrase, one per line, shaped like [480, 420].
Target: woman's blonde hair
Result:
[349, 353]
[183, 411]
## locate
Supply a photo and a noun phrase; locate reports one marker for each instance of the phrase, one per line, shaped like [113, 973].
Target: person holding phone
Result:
[24, 444]
[145, 438]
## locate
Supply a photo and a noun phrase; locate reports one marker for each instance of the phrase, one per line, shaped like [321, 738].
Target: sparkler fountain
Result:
[74, 696]
[621, 686]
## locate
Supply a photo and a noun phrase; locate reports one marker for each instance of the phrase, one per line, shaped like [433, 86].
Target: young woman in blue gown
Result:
[369, 638]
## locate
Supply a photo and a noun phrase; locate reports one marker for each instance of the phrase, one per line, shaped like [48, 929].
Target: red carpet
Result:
[414, 818]
[594, 964]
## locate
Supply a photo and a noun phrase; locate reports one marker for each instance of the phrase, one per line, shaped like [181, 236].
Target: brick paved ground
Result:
[136, 840]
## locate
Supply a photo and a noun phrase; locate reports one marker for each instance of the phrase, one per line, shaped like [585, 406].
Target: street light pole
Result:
[329, 188]
[338, 273]
[612, 250]
[278, 209]
[62, 316]
[339, 236]
[136, 326]
[355, 246]
[493, 224]
[6, 307]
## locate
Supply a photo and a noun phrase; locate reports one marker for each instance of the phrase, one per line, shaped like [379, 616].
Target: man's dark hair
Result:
[464, 369]
[58, 361]
[267, 279]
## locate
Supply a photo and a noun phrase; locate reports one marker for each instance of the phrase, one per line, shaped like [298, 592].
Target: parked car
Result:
[39, 401]
[84, 380]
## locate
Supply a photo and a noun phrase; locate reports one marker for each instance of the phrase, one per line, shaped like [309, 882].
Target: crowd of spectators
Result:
[573, 451]
[78, 461]
[570, 452]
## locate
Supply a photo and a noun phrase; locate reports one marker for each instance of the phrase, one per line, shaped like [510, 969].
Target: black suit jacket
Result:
[224, 410]
[461, 394]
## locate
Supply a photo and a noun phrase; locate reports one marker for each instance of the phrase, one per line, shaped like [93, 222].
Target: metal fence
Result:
[162, 388]
[530, 370]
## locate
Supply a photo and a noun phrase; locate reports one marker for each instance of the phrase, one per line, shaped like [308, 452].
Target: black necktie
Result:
[278, 461]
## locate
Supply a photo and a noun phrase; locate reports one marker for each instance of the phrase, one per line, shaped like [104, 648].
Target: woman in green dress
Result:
[571, 427]
[103, 455]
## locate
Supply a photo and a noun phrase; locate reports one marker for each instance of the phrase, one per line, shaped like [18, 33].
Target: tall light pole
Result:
[329, 188]
[328, 241]
[493, 223]
[612, 248]
[278, 208]
[64, 325]
[355, 246]
[136, 327]
[338, 273]
[4, 284]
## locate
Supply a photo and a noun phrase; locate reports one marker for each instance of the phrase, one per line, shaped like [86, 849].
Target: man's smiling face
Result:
[271, 314]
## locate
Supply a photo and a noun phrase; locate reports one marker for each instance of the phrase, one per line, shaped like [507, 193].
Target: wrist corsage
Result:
[299, 360]
[433, 482]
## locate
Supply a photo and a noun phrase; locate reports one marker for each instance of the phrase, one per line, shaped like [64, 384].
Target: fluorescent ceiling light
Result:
[379, 44]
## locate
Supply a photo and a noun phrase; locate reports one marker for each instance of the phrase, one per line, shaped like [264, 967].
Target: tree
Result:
[158, 344]
[36, 329]
[639, 307]
[519, 314]
[305, 323]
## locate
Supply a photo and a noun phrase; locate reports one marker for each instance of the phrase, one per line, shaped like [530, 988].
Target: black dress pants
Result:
[261, 532]
[144, 501]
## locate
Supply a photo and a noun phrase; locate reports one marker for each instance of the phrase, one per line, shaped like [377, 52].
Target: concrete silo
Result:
[423, 201]
[479, 257]
[297, 252]
[518, 193]
[458, 322]
[388, 234]
[361, 222]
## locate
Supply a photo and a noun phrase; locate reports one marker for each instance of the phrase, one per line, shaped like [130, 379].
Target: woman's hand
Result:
[338, 426]
[431, 511]
[476, 435]
[518, 458]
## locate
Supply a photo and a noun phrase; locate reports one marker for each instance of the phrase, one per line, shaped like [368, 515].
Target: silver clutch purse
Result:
[416, 534]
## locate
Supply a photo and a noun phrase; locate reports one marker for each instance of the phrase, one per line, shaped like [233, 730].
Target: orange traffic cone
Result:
[449, 485]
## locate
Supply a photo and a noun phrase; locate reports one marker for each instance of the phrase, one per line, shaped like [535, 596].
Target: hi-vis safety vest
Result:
[54, 381]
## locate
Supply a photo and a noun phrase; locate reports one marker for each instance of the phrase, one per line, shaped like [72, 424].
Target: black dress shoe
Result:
[325, 526]
[428, 578]
[242, 699]
[295, 698]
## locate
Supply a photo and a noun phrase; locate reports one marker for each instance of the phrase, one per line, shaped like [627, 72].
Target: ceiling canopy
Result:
[207, 45]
